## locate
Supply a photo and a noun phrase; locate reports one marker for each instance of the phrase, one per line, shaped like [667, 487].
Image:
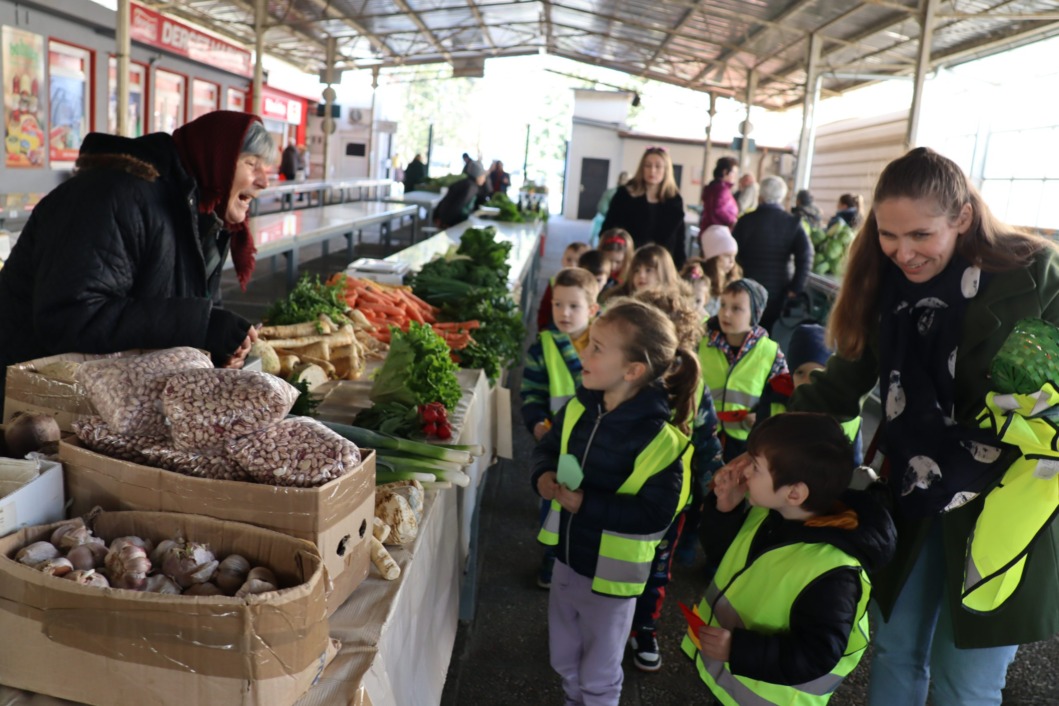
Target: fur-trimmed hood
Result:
[149, 157]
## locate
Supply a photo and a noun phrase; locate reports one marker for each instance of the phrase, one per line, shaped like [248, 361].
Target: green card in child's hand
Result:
[569, 472]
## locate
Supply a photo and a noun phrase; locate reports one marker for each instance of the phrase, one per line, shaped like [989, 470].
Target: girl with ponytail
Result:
[613, 468]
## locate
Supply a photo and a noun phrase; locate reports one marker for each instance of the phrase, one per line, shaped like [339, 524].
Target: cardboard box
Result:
[336, 517]
[26, 390]
[38, 502]
[113, 646]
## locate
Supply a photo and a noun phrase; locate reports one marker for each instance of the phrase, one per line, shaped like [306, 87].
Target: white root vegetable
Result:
[394, 510]
[309, 373]
[287, 363]
[269, 360]
[383, 561]
[37, 553]
[380, 529]
[308, 328]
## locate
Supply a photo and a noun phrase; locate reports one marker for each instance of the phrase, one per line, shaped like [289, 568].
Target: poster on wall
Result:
[23, 60]
[137, 80]
[69, 69]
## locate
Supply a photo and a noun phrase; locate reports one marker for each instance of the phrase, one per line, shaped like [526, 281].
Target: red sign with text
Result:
[150, 27]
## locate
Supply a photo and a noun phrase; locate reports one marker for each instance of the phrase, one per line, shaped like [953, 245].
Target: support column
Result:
[260, 11]
[329, 96]
[744, 149]
[812, 95]
[928, 8]
[373, 168]
[124, 49]
[706, 161]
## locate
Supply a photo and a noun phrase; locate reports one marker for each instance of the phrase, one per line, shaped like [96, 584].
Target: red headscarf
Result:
[209, 149]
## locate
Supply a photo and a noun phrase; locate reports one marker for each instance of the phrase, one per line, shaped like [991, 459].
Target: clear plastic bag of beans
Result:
[297, 451]
[206, 408]
[127, 392]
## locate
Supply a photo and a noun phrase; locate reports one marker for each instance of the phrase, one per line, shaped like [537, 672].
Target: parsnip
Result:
[308, 328]
[383, 561]
[287, 363]
[380, 529]
[324, 363]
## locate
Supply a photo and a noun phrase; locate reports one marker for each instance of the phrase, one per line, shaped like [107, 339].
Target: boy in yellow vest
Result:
[552, 368]
[786, 613]
[738, 361]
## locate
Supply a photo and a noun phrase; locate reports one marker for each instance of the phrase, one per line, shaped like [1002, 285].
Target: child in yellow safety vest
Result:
[552, 369]
[806, 351]
[614, 471]
[738, 361]
[786, 613]
[544, 312]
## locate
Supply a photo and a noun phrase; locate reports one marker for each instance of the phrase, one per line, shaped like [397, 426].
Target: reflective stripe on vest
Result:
[759, 597]
[625, 560]
[1021, 507]
[561, 383]
[738, 386]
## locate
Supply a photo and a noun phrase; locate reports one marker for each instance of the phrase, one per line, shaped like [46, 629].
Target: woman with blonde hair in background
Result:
[649, 207]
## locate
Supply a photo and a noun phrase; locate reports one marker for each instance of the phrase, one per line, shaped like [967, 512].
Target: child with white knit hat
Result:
[718, 253]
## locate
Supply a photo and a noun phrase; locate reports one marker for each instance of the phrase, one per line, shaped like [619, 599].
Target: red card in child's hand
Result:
[694, 623]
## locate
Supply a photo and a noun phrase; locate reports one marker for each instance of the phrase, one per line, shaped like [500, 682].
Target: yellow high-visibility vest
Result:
[737, 387]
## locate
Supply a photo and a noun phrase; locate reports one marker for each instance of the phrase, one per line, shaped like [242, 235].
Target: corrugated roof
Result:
[706, 45]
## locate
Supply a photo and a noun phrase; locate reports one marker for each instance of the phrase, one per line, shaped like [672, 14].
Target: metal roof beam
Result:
[324, 6]
[546, 18]
[481, 23]
[681, 24]
[1018, 39]
[424, 29]
[763, 27]
[1001, 16]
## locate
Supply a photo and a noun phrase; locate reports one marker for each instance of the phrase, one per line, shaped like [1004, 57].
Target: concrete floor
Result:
[501, 658]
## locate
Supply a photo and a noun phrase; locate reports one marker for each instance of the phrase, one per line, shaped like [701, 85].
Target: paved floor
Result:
[502, 657]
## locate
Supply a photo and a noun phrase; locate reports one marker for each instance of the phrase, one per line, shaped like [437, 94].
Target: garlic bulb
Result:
[146, 544]
[189, 563]
[127, 564]
[61, 530]
[37, 553]
[204, 589]
[232, 573]
[160, 583]
[87, 556]
[254, 587]
[78, 536]
[262, 573]
[159, 552]
[88, 578]
[59, 566]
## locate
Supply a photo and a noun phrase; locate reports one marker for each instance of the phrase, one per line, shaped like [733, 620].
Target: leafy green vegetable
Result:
[418, 370]
[391, 418]
[309, 299]
[509, 212]
[306, 404]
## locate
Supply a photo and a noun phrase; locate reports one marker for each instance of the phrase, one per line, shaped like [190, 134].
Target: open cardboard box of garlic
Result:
[336, 516]
[115, 646]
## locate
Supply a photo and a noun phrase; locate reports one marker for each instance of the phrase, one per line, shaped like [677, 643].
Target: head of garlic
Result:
[127, 565]
[88, 578]
[78, 536]
[37, 553]
[189, 563]
[59, 566]
[232, 573]
[146, 544]
[88, 556]
[160, 583]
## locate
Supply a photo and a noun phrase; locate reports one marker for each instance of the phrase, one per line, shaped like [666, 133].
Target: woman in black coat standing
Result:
[128, 253]
[649, 207]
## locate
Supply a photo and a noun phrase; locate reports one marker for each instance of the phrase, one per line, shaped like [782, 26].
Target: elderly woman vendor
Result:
[128, 253]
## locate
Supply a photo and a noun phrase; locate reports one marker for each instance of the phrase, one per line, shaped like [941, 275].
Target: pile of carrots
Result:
[385, 305]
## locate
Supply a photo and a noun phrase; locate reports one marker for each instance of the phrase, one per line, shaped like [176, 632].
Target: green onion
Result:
[472, 449]
[377, 440]
[455, 477]
[400, 459]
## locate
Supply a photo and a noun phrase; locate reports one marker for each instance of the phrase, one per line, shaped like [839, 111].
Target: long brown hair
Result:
[678, 305]
[650, 255]
[651, 338]
[719, 280]
[920, 174]
[638, 187]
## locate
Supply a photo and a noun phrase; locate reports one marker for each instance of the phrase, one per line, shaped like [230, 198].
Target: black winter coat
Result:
[661, 223]
[622, 434]
[822, 616]
[768, 237]
[118, 257]
[456, 206]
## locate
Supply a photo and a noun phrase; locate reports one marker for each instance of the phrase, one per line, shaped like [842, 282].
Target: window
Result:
[170, 91]
[204, 97]
[137, 83]
[1020, 176]
[70, 94]
[236, 100]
